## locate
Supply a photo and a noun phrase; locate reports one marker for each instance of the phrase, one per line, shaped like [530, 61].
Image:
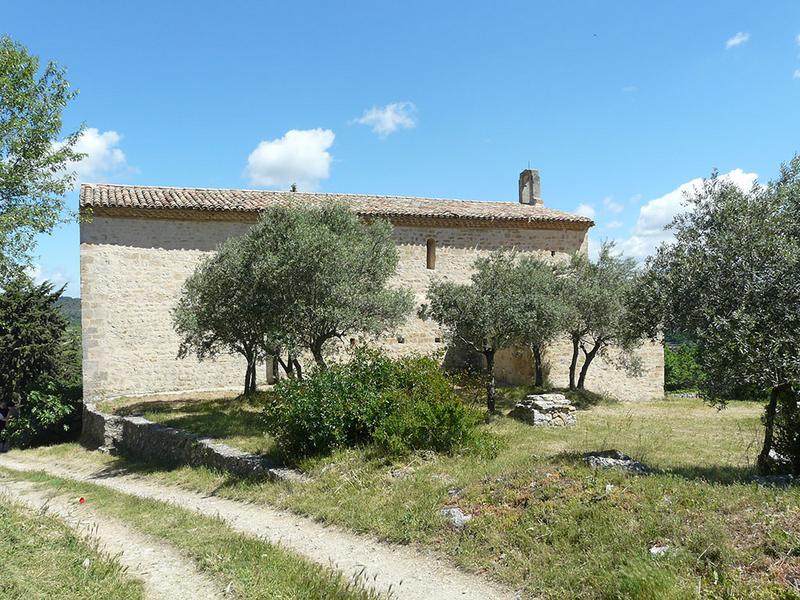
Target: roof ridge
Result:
[233, 199]
[345, 194]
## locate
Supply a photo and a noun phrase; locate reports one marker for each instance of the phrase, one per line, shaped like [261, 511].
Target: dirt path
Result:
[411, 574]
[167, 574]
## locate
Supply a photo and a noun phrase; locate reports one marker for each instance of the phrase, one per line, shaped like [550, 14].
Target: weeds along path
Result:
[410, 574]
[167, 574]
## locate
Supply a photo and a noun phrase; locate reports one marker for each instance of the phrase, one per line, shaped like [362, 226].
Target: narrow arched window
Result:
[431, 253]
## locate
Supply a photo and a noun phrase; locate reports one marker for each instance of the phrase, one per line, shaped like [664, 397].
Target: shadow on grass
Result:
[714, 474]
[125, 464]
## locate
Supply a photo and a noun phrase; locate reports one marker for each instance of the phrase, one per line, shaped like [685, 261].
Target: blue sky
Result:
[618, 104]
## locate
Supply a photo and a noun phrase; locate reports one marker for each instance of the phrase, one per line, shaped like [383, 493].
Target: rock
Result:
[455, 492]
[659, 550]
[614, 459]
[544, 409]
[456, 516]
[609, 488]
[402, 472]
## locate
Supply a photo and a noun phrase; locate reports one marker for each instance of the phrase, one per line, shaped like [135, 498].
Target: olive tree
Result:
[298, 279]
[219, 312]
[481, 315]
[600, 321]
[731, 280]
[327, 273]
[541, 310]
[34, 161]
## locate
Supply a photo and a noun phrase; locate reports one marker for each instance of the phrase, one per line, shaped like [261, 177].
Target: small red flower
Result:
[82, 500]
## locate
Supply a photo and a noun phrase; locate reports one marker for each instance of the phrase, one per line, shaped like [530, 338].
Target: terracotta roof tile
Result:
[102, 195]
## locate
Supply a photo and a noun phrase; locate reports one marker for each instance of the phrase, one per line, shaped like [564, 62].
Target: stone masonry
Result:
[545, 410]
[134, 262]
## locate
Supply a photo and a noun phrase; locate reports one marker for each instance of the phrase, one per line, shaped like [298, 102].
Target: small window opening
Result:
[552, 252]
[431, 262]
[401, 339]
[438, 340]
[352, 342]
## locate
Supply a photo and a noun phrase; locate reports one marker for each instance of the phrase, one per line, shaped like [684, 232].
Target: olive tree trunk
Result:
[490, 383]
[587, 360]
[763, 463]
[538, 367]
[573, 364]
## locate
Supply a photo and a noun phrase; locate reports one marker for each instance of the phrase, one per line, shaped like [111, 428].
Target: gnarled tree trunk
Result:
[573, 365]
[538, 367]
[763, 463]
[587, 360]
[490, 383]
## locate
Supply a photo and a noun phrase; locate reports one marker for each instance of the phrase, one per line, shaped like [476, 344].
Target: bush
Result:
[398, 405]
[681, 370]
[40, 370]
[46, 417]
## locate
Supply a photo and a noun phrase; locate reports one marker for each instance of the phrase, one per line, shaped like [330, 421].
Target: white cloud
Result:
[388, 119]
[656, 214]
[300, 156]
[614, 224]
[636, 198]
[57, 277]
[104, 159]
[797, 39]
[586, 210]
[737, 40]
[629, 89]
[796, 74]
[611, 205]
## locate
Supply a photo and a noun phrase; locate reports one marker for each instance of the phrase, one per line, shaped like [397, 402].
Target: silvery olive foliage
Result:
[511, 300]
[298, 280]
[731, 280]
[601, 320]
[481, 315]
[34, 162]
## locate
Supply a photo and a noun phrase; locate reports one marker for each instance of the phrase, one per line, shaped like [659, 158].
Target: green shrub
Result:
[399, 405]
[681, 370]
[40, 369]
[46, 416]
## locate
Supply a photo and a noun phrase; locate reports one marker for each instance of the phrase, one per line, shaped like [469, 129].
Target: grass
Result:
[550, 525]
[255, 569]
[43, 559]
[234, 421]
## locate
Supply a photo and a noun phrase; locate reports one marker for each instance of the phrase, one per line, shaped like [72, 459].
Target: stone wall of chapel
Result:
[132, 271]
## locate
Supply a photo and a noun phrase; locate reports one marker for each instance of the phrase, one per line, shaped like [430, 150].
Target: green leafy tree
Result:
[34, 162]
[541, 310]
[218, 310]
[482, 315]
[31, 334]
[328, 273]
[297, 280]
[681, 370]
[36, 369]
[731, 279]
[599, 318]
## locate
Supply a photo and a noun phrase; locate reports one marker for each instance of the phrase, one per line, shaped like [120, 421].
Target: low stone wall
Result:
[139, 438]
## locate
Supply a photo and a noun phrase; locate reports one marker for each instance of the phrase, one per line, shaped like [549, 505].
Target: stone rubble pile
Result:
[544, 409]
